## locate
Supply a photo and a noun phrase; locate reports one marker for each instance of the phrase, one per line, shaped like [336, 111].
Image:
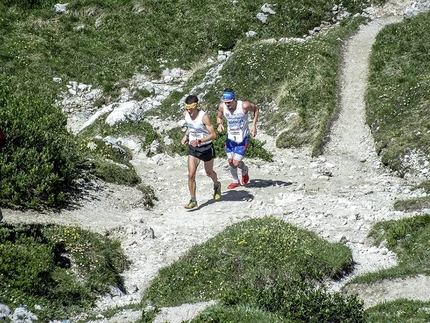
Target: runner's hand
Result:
[194, 143]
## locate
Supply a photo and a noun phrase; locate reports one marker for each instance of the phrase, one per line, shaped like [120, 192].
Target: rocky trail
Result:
[338, 195]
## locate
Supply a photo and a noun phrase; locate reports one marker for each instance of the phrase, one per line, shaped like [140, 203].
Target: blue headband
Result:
[228, 96]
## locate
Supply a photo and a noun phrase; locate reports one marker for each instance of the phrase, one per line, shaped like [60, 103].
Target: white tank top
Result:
[196, 127]
[237, 123]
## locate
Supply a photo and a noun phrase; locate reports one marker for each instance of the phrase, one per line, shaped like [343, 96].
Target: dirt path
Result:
[339, 196]
[352, 145]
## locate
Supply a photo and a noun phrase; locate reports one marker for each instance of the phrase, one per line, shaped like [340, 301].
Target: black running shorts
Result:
[204, 152]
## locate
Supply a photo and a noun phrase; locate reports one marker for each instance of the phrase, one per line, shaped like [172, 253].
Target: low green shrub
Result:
[38, 163]
[148, 316]
[141, 130]
[62, 269]
[415, 204]
[296, 300]
[29, 4]
[25, 265]
[97, 148]
[108, 162]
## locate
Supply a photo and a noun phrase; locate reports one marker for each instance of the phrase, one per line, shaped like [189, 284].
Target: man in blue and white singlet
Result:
[236, 113]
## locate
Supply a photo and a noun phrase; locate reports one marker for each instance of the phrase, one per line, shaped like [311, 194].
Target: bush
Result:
[24, 266]
[297, 301]
[38, 162]
[62, 269]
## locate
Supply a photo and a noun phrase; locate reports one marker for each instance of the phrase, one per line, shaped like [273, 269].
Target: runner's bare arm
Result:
[184, 139]
[220, 116]
[247, 107]
[207, 122]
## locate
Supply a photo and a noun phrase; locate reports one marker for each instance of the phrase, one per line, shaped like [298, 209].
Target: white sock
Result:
[233, 172]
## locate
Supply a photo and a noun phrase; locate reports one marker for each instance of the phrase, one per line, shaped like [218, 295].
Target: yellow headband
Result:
[191, 106]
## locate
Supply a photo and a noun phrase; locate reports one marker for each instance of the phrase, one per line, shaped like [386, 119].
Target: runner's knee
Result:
[192, 177]
[236, 163]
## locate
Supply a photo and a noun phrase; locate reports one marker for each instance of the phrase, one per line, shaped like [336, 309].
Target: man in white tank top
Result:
[199, 135]
[238, 132]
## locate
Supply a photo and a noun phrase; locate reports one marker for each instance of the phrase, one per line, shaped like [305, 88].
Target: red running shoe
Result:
[233, 185]
[245, 179]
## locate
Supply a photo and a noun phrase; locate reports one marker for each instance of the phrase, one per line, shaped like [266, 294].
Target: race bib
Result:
[235, 134]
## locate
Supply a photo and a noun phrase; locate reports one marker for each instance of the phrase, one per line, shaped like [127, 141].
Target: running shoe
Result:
[245, 178]
[233, 185]
[191, 205]
[217, 191]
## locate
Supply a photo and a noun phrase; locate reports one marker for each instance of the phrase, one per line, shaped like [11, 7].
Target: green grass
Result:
[237, 313]
[415, 204]
[398, 98]
[400, 311]
[410, 239]
[102, 42]
[63, 269]
[257, 264]
[256, 247]
[108, 162]
[142, 130]
[425, 185]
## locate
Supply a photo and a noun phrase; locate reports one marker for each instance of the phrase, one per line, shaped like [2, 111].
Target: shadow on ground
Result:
[260, 183]
[241, 194]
